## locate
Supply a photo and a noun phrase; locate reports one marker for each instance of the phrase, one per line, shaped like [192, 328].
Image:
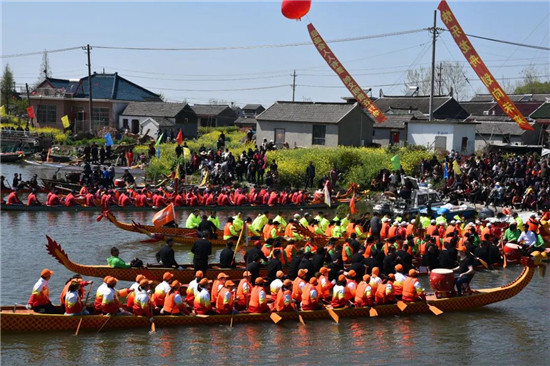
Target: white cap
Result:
[296, 216]
[478, 222]
[432, 222]
[489, 225]
[413, 221]
[404, 223]
[458, 221]
[453, 222]
[385, 219]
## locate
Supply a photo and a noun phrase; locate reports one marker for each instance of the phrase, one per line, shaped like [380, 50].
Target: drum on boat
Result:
[512, 252]
[442, 280]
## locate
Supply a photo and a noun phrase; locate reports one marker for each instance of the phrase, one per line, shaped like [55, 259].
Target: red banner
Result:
[479, 67]
[30, 112]
[346, 78]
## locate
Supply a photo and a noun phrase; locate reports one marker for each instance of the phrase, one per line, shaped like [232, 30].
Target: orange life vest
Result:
[309, 302]
[258, 300]
[409, 292]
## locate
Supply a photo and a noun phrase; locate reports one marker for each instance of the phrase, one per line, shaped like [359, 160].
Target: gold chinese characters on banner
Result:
[479, 67]
[346, 78]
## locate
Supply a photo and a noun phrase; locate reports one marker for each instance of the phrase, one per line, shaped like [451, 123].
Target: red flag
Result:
[179, 138]
[352, 209]
[30, 112]
[164, 216]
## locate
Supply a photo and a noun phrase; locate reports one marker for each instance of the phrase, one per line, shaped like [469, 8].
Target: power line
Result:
[41, 52]
[503, 41]
[220, 90]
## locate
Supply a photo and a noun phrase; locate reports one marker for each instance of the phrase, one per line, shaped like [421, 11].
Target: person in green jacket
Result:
[194, 220]
[512, 234]
[214, 219]
[114, 261]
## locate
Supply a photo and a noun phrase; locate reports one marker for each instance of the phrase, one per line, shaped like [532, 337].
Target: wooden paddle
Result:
[239, 241]
[435, 309]
[298, 312]
[401, 305]
[483, 263]
[84, 308]
[109, 316]
[373, 312]
[333, 314]
[153, 328]
[505, 262]
[275, 317]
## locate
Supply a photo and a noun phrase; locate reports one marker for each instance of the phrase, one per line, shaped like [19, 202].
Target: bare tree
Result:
[450, 77]
[45, 71]
[419, 77]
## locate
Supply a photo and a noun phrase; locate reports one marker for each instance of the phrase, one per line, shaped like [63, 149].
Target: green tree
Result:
[7, 88]
[531, 83]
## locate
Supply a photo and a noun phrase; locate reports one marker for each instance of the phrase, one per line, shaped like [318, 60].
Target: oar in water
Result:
[153, 328]
[401, 305]
[434, 309]
[483, 263]
[84, 308]
[298, 312]
[275, 317]
[373, 312]
[332, 314]
[109, 316]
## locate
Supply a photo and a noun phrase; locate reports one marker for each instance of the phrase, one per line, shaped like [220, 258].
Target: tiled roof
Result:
[499, 128]
[306, 112]
[404, 103]
[477, 108]
[209, 109]
[252, 106]
[162, 122]
[526, 108]
[542, 112]
[114, 87]
[153, 109]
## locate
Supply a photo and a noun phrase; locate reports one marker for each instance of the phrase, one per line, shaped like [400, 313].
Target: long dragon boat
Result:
[154, 273]
[19, 319]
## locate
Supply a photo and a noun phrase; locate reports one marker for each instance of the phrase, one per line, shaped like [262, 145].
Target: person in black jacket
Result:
[294, 264]
[306, 263]
[358, 263]
[318, 259]
[206, 226]
[337, 263]
[389, 261]
[254, 269]
[445, 257]
[274, 265]
[201, 249]
[256, 251]
[227, 256]
[405, 257]
[165, 255]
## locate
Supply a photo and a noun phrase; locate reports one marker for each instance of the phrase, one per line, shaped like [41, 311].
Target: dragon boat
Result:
[154, 273]
[19, 319]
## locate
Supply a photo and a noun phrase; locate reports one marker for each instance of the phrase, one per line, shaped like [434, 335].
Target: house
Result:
[252, 110]
[443, 135]
[306, 124]
[214, 115]
[156, 118]
[393, 131]
[498, 130]
[55, 98]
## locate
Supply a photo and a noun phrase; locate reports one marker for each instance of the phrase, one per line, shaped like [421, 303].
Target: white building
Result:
[443, 135]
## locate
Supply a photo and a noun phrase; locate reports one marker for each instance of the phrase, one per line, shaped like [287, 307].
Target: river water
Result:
[514, 332]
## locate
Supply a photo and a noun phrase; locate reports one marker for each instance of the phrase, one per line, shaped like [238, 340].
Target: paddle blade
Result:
[153, 328]
[301, 319]
[435, 310]
[505, 263]
[275, 317]
[231, 323]
[483, 263]
[542, 271]
[373, 312]
[333, 315]
[78, 328]
[401, 305]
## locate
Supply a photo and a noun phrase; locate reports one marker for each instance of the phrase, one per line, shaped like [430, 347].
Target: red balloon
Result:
[295, 9]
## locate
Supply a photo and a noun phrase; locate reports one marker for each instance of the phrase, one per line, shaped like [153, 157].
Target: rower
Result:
[131, 295]
[284, 297]
[39, 300]
[142, 303]
[512, 233]
[258, 298]
[76, 278]
[73, 300]
[32, 200]
[465, 270]
[412, 289]
[192, 288]
[298, 285]
[339, 293]
[225, 298]
[384, 292]
[194, 220]
[110, 303]
[202, 303]
[351, 284]
[161, 290]
[399, 281]
[364, 294]
[323, 284]
[13, 198]
[276, 284]
[229, 231]
[310, 295]
[218, 285]
[243, 291]
[173, 302]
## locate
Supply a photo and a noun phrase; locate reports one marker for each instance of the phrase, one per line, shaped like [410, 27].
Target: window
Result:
[319, 132]
[46, 114]
[125, 123]
[506, 138]
[279, 136]
[101, 115]
[394, 137]
[464, 145]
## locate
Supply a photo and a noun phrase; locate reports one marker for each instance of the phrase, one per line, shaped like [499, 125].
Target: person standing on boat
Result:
[201, 249]
[165, 255]
[39, 300]
[310, 175]
[465, 271]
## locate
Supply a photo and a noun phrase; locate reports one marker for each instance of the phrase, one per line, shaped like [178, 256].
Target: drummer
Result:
[512, 234]
[465, 270]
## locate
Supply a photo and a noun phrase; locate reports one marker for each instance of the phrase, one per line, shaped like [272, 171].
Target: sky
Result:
[254, 74]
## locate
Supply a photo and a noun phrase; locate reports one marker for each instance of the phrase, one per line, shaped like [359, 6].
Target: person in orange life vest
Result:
[351, 285]
[374, 279]
[283, 301]
[412, 289]
[384, 292]
[39, 301]
[54, 199]
[253, 234]
[142, 304]
[310, 296]
[202, 303]
[192, 288]
[258, 298]
[32, 200]
[267, 229]
[364, 295]
[533, 224]
[225, 298]
[161, 290]
[323, 283]
[13, 198]
[173, 302]
[392, 231]
[451, 228]
[267, 249]
[276, 284]
[432, 228]
[89, 200]
[124, 200]
[99, 295]
[289, 252]
[218, 285]
[399, 281]
[339, 293]
[410, 228]
[243, 291]
[110, 303]
[347, 251]
[298, 285]
[229, 231]
[73, 300]
[76, 278]
[131, 295]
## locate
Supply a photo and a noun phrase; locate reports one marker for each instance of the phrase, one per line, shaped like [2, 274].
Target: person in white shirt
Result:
[527, 237]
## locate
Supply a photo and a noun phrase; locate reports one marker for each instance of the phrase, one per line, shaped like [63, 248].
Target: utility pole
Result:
[29, 120]
[432, 86]
[293, 85]
[439, 77]
[91, 109]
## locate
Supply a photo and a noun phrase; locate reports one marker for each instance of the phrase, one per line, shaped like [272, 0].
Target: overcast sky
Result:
[263, 74]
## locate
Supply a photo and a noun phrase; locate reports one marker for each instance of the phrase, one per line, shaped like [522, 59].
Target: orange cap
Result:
[366, 278]
[112, 281]
[352, 273]
[167, 276]
[399, 267]
[342, 278]
[145, 282]
[287, 283]
[246, 274]
[139, 278]
[391, 276]
[203, 282]
[230, 284]
[324, 270]
[259, 281]
[376, 271]
[280, 274]
[313, 280]
[222, 275]
[46, 272]
[199, 274]
[302, 272]
[413, 272]
[106, 279]
[175, 284]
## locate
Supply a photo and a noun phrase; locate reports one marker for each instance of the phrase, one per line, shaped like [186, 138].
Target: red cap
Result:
[46, 273]
[167, 276]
